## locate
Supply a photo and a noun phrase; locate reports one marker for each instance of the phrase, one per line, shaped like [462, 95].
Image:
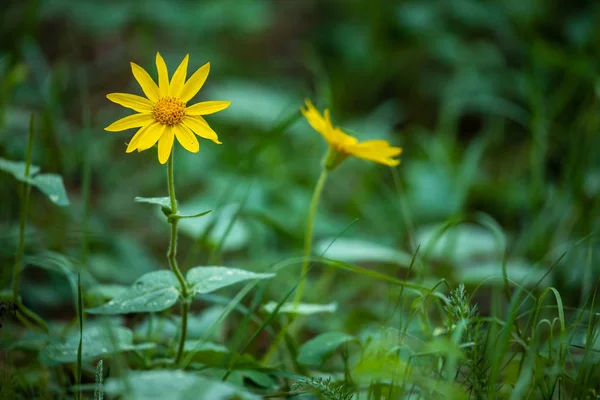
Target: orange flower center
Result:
[168, 111]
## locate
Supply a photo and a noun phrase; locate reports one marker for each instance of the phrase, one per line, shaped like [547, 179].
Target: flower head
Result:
[163, 114]
[342, 145]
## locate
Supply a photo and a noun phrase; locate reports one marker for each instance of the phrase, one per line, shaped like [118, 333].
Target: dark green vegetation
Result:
[496, 106]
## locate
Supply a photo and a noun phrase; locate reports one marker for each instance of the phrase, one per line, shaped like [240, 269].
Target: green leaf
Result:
[208, 279]
[106, 292]
[316, 351]
[159, 201]
[173, 385]
[50, 184]
[301, 309]
[183, 216]
[259, 378]
[97, 341]
[357, 251]
[17, 168]
[152, 292]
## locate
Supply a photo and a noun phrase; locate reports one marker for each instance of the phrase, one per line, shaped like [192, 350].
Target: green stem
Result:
[308, 234]
[172, 256]
[185, 308]
[26, 189]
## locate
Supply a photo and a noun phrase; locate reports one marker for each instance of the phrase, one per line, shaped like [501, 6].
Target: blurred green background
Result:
[494, 102]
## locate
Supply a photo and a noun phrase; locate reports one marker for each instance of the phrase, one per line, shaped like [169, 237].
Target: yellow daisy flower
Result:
[163, 114]
[342, 145]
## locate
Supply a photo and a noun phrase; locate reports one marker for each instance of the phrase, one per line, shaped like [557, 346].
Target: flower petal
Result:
[149, 139]
[207, 107]
[165, 145]
[137, 103]
[135, 140]
[163, 76]
[146, 83]
[186, 138]
[200, 128]
[378, 151]
[318, 123]
[131, 121]
[194, 84]
[178, 79]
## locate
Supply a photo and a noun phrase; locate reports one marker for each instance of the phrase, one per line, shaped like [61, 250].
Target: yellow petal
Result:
[194, 84]
[132, 121]
[207, 107]
[381, 147]
[146, 83]
[149, 139]
[178, 79]
[137, 103]
[315, 120]
[135, 140]
[378, 151]
[165, 145]
[186, 138]
[163, 76]
[200, 128]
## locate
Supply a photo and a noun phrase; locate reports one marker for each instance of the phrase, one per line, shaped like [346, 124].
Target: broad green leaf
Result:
[155, 291]
[106, 292]
[301, 309]
[208, 279]
[159, 201]
[316, 351]
[357, 251]
[17, 168]
[50, 184]
[98, 341]
[173, 385]
[519, 272]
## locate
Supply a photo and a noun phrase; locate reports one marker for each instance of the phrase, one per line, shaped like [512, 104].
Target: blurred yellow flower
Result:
[342, 145]
[163, 113]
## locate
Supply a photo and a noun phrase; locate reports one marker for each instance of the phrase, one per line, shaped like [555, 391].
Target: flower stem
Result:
[172, 257]
[26, 189]
[308, 234]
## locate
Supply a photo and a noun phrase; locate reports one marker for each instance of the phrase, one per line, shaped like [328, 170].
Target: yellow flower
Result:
[342, 145]
[163, 114]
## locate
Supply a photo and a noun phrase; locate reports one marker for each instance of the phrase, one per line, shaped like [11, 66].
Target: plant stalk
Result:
[172, 257]
[308, 234]
[26, 189]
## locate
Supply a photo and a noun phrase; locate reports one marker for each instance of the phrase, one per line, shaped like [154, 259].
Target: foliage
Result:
[469, 271]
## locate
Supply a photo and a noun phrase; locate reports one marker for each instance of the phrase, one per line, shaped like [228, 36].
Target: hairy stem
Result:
[172, 257]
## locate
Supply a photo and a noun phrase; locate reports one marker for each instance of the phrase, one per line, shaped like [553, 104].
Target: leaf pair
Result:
[159, 290]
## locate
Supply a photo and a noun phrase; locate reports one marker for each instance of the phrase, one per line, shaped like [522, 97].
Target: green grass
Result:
[470, 271]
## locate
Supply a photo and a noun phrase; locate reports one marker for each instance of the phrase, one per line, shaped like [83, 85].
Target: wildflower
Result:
[163, 114]
[342, 145]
